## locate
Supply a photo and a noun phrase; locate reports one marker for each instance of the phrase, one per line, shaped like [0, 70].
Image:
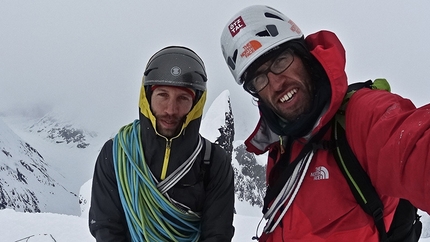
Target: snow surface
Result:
[16, 226]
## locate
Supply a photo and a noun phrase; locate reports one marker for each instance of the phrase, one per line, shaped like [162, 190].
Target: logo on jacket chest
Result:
[320, 173]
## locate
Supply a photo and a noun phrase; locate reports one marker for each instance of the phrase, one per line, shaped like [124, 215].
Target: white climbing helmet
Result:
[252, 32]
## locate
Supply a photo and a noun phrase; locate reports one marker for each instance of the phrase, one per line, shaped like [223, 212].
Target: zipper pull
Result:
[281, 144]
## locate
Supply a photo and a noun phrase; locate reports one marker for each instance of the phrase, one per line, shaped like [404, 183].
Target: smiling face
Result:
[170, 105]
[289, 93]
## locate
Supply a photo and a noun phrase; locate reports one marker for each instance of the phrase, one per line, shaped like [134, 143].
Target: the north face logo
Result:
[321, 173]
[250, 48]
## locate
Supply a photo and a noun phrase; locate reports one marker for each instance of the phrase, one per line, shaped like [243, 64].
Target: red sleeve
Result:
[391, 138]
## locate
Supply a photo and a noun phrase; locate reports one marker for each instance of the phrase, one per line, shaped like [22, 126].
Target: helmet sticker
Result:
[176, 71]
[250, 48]
[236, 26]
[294, 27]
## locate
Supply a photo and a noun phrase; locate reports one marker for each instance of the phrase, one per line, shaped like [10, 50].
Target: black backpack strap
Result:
[358, 85]
[358, 180]
[206, 162]
[356, 177]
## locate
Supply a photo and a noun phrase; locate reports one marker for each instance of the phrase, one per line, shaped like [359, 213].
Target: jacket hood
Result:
[329, 51]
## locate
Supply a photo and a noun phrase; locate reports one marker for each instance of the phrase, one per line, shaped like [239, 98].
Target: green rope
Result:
[150, 215]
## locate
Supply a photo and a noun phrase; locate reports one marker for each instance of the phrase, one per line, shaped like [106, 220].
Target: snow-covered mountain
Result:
[66, 152]
[59, 130]
[65, 144]
[27, 182]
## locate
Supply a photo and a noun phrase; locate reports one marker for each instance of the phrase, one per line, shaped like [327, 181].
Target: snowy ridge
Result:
[26, 181]
[53, 127]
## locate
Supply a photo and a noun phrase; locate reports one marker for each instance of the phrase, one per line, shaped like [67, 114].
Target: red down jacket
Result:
[388, 134]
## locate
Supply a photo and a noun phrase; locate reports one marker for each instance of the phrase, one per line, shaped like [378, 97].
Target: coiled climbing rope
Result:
[149, 214]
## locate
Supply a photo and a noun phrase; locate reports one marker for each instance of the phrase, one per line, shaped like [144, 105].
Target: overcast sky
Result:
[87, 57]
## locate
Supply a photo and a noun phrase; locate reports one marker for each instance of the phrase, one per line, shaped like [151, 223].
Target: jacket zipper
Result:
[166, 159]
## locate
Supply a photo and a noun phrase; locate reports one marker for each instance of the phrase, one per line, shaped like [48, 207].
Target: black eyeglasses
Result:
[277, 65]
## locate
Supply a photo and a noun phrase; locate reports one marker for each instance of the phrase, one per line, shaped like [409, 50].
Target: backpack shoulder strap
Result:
[208, 151]
[206, 162]
[356, 177]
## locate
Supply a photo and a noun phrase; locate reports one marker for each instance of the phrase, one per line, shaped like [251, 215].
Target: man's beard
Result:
[169, 132]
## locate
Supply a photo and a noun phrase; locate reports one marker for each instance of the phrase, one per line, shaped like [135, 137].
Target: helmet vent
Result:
[148, 70]
[271, 31]
[231, 61]
[271, 15]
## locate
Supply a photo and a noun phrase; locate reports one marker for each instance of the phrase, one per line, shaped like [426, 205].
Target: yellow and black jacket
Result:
[214, 200]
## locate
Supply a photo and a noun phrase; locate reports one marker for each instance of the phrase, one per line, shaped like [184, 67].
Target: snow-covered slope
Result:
[57, 128]
[27, 182]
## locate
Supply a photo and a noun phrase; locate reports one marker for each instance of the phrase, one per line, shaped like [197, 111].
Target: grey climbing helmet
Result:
[176, 66]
